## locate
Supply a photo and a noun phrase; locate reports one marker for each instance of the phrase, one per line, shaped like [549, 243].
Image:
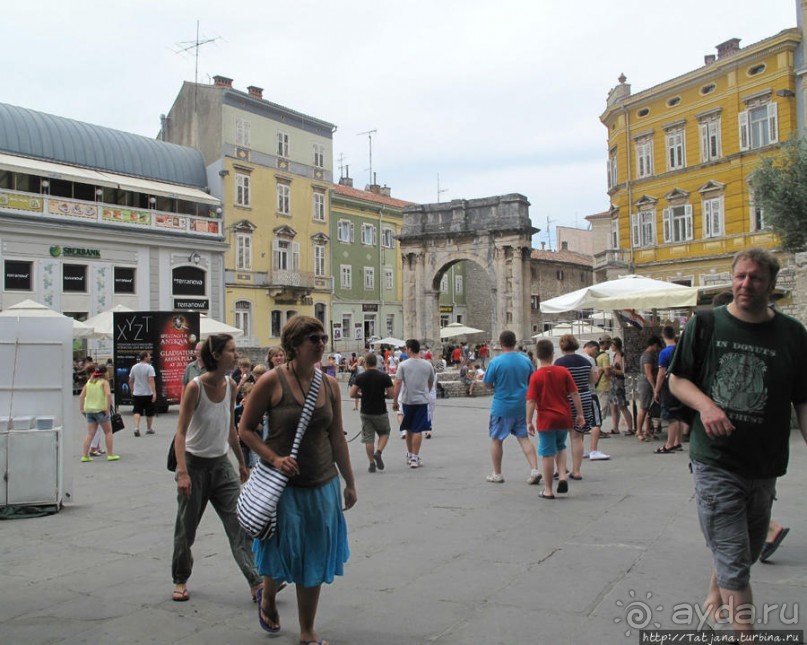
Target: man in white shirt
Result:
[144, 392]
[417, 377]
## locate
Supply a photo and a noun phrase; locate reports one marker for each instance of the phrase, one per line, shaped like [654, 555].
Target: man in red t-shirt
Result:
[456, 356]
[548, 390]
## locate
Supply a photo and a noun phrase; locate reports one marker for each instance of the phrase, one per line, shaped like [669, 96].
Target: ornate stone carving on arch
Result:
[494, 233]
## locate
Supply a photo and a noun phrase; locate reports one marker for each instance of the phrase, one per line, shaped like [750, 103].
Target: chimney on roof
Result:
[386, 191]
[709, 59]
[543, 246]
[255, 91]
[731, 46]
[374, 187]
[222, 81]
[347, 180]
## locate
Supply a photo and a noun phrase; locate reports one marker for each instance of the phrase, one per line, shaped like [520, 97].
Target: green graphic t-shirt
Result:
[753, 372]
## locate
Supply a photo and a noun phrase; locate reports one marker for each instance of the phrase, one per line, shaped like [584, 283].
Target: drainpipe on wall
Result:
[629, 186]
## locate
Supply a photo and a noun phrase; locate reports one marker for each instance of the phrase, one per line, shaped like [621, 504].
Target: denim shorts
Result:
[551, 442]
[96, 417]
[734, 512]
[502, 427]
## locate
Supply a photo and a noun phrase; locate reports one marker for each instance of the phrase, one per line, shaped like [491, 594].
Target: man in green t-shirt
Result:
[753, 370]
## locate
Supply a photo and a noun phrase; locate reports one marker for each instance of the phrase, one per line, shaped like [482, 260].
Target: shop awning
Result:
[105, 179]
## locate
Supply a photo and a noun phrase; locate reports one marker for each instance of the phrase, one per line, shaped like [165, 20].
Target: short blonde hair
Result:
[259, 369]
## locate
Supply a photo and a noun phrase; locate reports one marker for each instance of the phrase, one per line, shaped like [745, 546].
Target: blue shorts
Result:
[734, 512]
[551, 442]
[416, 417]
[96, 417]
[502, 427]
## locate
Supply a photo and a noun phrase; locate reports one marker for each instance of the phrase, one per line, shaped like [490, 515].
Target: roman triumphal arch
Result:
[493, 232]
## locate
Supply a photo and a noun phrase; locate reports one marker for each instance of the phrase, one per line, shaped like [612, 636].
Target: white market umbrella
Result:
[101, 323]
[209, 326]
[627, 292]
[390, 340]
[575, 328]
[31, 308]
[458, 329]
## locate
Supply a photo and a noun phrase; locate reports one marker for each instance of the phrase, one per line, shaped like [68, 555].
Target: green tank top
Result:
[94, 398]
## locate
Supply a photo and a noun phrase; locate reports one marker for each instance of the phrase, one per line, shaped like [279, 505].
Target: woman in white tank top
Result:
[205, 433]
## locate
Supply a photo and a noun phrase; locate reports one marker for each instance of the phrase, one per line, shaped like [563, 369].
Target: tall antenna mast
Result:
[370, 134]
[341, 164]
[440, 190]
[549, 232]
[194, 45]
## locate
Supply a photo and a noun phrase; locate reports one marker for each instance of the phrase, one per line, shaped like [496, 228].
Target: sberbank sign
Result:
[74, 252]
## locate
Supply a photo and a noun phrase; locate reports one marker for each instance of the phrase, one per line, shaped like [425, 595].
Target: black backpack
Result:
[704, 327]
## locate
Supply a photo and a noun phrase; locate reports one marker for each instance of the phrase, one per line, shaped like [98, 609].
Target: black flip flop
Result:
[769, 548]
[543, 496]
[563, 486]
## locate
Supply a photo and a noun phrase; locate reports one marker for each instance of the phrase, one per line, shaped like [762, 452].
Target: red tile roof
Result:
[569, 257]
[366, 195]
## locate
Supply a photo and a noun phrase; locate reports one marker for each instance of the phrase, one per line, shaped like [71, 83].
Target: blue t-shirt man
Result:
[509, 375]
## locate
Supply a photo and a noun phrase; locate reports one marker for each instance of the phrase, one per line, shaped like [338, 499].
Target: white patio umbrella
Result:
[101, 323]
[209, 326]
[35, 309]
[627, 292]
[390, 340]
[458, 329]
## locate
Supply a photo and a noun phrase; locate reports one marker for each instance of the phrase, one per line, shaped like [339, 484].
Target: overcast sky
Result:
[496, 97]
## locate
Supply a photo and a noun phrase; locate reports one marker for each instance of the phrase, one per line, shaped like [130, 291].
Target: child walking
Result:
[548, 390]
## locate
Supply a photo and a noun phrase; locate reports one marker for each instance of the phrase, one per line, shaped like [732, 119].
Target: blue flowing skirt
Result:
[310, 545]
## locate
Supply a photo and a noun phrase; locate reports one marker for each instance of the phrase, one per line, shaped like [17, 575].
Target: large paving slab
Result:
[438, 555]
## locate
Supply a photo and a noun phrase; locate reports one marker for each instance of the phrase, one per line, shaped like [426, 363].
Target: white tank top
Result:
[209, 428]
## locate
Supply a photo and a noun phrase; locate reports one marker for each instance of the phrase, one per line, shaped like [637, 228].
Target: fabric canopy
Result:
[628, 292]
[390, 340]
[38, 310]
[458, 329]
[101, 323]
[209, 326]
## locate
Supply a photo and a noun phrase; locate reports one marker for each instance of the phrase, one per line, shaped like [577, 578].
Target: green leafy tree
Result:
[780, 189]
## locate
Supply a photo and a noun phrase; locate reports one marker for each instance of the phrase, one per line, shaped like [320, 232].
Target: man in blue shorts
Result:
[509, 375]
[416, 375]
[742, 392]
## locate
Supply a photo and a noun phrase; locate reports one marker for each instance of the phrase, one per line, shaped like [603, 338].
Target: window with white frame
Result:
[612, 168]
[458, 284]
[713, 225]
[344, 231]
[283, 199]
[387, 237]
[243, 194]
[676, 150]
[243, 251]
[282, 144]
[677, 223]
[346, 276]
[444, 284]
[319, 207]
[711, 143]
[319, 155]
[643, 228]
[644, 157]
[368, 234]
[285, 255]
[389, 279]
[615, 233]
[319, 260]
[390, 324]
[242, 133]
[243, 315]
[369, 278]
[759, 126]
[347, 324]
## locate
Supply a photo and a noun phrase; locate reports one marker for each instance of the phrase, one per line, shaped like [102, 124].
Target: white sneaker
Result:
[414, 462]
[586, 454]
[596, 455]
[495, 478]
[403, 434]
[535, 477]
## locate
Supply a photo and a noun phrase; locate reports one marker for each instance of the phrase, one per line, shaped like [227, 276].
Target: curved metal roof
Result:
[29, 133]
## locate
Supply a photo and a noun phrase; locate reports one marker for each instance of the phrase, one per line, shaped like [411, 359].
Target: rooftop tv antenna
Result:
[341, 164]
[370, 134]
[440, 190]
[549, 232]
[195, 45]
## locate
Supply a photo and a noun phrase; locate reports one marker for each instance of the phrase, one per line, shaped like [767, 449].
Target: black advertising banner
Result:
[170, 338]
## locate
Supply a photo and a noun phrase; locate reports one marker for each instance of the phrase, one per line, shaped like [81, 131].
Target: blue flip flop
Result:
[266, 626]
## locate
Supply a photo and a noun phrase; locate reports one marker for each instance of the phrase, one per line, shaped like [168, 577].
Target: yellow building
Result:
[272, 168]
[680, 155]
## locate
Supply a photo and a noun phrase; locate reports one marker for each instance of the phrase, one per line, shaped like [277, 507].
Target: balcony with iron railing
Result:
[61, 210]
[611, 258]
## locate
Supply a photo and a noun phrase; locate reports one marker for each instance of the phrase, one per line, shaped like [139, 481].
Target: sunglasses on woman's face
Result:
[318, 338]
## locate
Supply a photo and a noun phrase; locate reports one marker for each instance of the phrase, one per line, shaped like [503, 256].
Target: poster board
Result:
[169, 336]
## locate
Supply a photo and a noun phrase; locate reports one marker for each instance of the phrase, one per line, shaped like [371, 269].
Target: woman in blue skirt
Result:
[310, 545]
